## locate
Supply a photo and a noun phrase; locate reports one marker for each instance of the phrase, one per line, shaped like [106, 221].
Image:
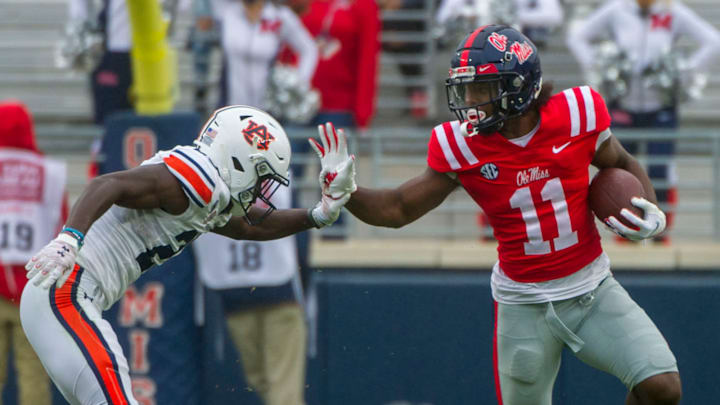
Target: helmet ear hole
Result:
[237, 164]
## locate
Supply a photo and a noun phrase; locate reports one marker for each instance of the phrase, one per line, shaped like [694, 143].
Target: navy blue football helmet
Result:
[497, 65]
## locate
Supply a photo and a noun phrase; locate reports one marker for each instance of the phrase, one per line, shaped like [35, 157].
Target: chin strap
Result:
[467, 129]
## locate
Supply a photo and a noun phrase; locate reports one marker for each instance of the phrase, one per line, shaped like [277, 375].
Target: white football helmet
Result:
[251, 152]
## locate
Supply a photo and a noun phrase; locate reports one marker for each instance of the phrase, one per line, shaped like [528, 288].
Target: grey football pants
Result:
[605, 329]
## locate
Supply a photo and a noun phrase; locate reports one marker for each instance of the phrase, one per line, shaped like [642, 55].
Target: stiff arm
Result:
[400, 206]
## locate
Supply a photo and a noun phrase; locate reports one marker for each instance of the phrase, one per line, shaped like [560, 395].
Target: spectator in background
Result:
[417, 94]
[33, 207]
[203, 38]
[646, 31]
[534, 18]
[111, 79]
[347, 36]
[251, 34]
[261, 294]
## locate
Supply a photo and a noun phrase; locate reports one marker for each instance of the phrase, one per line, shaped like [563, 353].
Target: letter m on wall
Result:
[142, 307]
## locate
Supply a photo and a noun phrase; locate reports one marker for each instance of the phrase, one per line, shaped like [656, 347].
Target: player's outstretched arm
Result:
[278, 224]
[400, 206]
[387, 207]
[151, 186]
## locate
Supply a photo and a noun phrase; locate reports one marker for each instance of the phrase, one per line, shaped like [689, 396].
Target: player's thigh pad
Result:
[528, 354]
[621, 339]
[78, 348]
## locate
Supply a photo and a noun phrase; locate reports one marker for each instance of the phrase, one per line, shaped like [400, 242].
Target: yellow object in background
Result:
[154, 63]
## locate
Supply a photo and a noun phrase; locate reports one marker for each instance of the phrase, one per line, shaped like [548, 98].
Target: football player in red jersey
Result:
[523, 155]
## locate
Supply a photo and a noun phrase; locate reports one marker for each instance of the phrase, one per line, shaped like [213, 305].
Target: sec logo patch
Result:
[489, 171]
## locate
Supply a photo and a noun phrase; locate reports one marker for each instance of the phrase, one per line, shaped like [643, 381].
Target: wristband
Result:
[79, 236]
[312, 219]
[69, 239]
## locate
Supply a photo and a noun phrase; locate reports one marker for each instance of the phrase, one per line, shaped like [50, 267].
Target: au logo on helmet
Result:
[253, 130]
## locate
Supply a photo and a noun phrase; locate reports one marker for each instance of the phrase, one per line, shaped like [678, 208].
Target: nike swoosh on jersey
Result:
[558, 149]
[483, 68]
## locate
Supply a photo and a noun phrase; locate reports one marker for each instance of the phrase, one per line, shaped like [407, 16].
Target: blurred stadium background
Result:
[405, 316]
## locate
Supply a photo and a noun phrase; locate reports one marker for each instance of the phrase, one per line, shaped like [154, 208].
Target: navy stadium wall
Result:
[425, 337]
[412, 337]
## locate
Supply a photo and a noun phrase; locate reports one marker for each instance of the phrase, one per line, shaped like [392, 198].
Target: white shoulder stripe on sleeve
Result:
[574, 112]
[604, 136]
[462, 144]
[589, 108]
[445, 146]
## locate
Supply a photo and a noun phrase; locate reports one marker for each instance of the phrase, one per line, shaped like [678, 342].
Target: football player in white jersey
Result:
[126, 222]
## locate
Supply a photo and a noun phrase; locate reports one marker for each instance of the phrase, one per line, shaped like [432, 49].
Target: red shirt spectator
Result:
[347, 33]
[16, 132]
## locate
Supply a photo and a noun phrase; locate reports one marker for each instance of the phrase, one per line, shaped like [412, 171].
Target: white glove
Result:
[327, 210]
[54, 262]
[652, 224]
[337, 176]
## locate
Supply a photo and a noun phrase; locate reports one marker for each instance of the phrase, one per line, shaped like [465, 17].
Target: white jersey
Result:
[226, 263]
[124, 242]
[646, 38]
[251, 48]
[31, 195]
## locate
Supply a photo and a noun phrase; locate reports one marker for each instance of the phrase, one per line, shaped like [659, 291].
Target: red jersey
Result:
[535, 196]
[24, 191]
[347, 33]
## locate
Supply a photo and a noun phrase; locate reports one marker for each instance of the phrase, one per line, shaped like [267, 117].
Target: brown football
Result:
[611, 190]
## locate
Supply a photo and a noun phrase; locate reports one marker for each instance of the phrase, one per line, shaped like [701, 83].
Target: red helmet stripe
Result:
[472, 36]
[464, 57]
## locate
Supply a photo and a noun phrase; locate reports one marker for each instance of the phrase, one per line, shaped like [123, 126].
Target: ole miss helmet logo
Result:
[253, 130]
[499, 41]
[522, 51]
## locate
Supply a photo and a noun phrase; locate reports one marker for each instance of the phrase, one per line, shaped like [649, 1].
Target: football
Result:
[611, 190]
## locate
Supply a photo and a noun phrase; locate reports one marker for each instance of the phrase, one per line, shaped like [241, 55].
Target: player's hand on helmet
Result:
[652, 223]
[53, 263]
[337, 174]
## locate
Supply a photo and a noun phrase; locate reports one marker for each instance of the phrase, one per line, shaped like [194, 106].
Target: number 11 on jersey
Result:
[552, 191]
